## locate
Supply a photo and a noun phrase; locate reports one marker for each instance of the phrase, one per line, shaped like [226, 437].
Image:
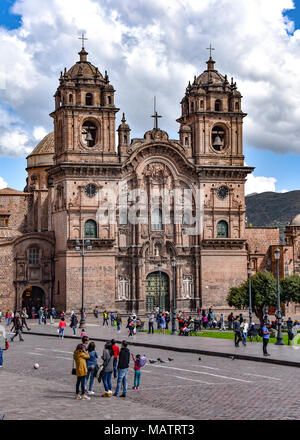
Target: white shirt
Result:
[245, 328]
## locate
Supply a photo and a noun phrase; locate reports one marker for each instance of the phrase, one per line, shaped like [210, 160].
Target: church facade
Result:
[125, 206]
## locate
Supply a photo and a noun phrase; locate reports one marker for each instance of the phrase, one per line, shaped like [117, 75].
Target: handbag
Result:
[96, 369]
[101, 374]
[74, 369]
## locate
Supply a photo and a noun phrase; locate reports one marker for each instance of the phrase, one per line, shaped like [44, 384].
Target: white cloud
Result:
[259, 184]
[155, 48]
[3, 184]
[39, 133]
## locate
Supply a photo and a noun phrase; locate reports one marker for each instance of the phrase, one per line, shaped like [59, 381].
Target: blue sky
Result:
[283, 167]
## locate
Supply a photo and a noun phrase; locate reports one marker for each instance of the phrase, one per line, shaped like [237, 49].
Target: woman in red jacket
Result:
[116, 354]
[61, 327]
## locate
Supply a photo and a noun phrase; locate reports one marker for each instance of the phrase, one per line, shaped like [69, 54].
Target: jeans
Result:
[151, 327]
[80, 382]
[137, 378]
[74, 329]
[265, 344]
[105, 321]
[51, 319]
[62, 332]
[118, 327]
[1, 357]
[107, 381]
[122, 379]
[244, 337]
[7, 321]
[40, 319]
[237, 338]
[115, 367]
[90, 374]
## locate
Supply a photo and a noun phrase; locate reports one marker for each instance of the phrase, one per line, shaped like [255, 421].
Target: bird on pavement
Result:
[170, 360]
[232, 358]
[199, 359]
[158, 359]
[162, 362]
[151, 361]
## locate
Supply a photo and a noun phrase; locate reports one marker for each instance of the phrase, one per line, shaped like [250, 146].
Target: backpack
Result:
[142, 361]
[260, 332]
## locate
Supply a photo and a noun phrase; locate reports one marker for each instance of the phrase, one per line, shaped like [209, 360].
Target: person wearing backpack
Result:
[139, 362]
[237, 332]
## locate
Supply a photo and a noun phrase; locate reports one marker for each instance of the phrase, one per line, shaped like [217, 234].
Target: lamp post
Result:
[80, 247]
[250, 295]
[278, 313]
[174, 330]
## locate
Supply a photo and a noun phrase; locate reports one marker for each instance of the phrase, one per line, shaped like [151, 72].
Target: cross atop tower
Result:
[155, 115]
[82, 38]
[210, 49]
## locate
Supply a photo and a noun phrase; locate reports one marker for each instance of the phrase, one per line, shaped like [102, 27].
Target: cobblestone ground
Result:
[184, 388]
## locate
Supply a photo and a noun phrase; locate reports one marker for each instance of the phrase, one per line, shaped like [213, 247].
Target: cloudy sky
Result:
[154, 48]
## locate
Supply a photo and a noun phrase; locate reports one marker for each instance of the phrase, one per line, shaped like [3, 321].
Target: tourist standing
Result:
[33, 312]
[8, 317]
[40, 313]
[108, 361]
[74, 323]
[119, 322]
[105, 318]
[80, 356]
[61, 328]
[45, 315]
[0, 316]
[112, 319]
[222, 323]
[137, 370]
[162, 323]
[3, 345]
[237, 331]
[23, 317]
[266, 337]
[96, 312]
[123, 366]
[151, 323]
[116, 351]
[91, 365]
[230, 320]
[245, 331]
[168, 319]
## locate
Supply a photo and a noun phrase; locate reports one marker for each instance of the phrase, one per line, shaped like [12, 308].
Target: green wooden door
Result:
[157, 291]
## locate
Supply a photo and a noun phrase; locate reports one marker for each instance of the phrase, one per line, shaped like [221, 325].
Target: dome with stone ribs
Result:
[295, 221]
[84, 68]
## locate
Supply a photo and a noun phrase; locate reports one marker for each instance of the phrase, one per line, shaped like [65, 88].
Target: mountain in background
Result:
[272, 209]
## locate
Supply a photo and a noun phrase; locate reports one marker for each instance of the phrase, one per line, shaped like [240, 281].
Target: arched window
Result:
[70, 98]
[222, 229]
[156, 219]
[89, 133]
[88, 99]
[109, 100]
[186, 140]
[218, 138]
[34, 255]
[201, 103]
[90, 229]
[237, 106]
[124, 138]
[217, 105]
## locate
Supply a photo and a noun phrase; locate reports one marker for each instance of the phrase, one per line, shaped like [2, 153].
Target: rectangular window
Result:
[33, 256]
[4, 221]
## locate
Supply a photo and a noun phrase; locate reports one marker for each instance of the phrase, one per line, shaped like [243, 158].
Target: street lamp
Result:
[278, 313]
[174, 330]
[250, 295]
[80, 247]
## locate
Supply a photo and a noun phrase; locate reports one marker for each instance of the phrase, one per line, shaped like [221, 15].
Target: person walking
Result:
[222, 323]
[151, 323]
[108, 361]
[116, 351]
[123, 366]
[130, 326]
[33, 312]
[74, 323]
[230, 320]
[61, 328]
[96, 312]
[138, 364]
[45, 315]
[266, 336]
[24, 316]
[289, 324]
[162, 323]
[80, 356]
[105, 318]
[119, 322]
[18, 326]
[91, 365]
[40, 313]
[8, 318]
[168, 319]
[112, 319]
[3, 344]
[245, 331]
[237, 331]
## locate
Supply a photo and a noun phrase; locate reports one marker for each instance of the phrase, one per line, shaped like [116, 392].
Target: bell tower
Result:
[212, 109]
[84, 115]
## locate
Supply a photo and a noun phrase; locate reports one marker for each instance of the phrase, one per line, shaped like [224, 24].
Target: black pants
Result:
[80, 382]
[265, 344]
[151, 327]
[237, 338]
[18, 332]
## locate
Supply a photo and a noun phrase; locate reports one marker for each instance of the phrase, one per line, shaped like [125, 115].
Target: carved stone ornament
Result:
[157, 172]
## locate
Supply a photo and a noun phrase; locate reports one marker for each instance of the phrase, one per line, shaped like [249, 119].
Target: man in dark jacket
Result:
[123, 367]
[18, 326]
[237, 331]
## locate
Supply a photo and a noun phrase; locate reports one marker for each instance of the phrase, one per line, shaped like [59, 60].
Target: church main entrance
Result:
[157, 291]
[33, 296]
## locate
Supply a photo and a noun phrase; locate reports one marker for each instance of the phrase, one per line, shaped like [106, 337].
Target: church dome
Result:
[45, 146]
[83, 68]
[295, 221]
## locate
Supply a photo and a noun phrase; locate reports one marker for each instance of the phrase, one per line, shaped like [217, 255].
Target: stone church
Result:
[128, 266]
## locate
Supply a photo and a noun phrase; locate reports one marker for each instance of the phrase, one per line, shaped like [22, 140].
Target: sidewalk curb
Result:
[184, 350]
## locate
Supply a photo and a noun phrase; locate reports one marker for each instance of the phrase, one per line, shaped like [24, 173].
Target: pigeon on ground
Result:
[151, 361]
[158, 359]
[162, 362]
[199, 359]
[170, 360]
[232, 358]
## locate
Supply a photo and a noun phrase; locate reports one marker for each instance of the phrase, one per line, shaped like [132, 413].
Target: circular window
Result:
[90, 190]
[89, 133]
[222, 192]
[218, 138]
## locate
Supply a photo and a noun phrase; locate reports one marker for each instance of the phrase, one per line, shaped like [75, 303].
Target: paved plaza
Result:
[184, 388]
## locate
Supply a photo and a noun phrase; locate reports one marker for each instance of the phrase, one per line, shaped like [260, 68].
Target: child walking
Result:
[139, 362]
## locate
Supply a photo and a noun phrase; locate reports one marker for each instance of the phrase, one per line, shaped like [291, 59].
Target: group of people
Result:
[115, 362]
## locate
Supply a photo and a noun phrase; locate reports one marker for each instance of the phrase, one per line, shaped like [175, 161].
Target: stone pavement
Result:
[284, 355]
